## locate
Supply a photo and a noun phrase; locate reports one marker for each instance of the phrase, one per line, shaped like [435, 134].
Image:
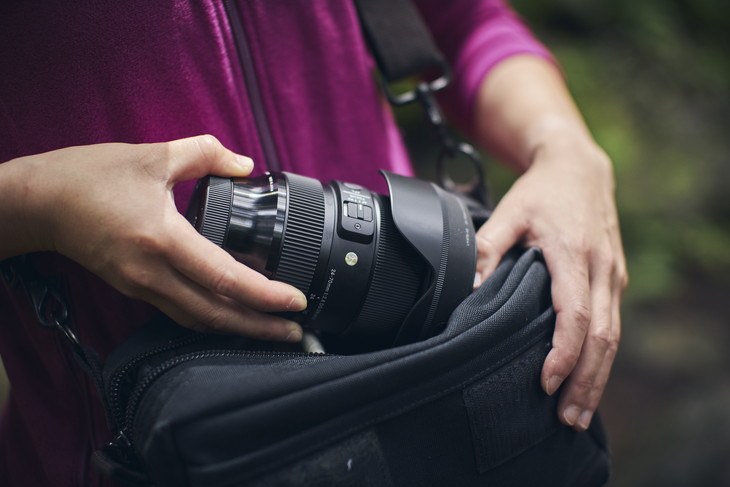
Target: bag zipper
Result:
[139, 390]
[248, 70]
[120, 373]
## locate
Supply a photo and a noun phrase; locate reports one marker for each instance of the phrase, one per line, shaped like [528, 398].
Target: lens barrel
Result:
[365, 271]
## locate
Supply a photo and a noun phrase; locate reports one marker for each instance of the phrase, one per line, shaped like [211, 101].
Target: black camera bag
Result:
[464, 408]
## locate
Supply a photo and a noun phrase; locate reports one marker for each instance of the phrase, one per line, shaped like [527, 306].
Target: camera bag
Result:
[463, 408]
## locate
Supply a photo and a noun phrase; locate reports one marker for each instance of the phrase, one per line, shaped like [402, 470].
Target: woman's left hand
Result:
[564, 205]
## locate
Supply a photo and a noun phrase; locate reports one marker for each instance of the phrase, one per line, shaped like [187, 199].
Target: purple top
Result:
[301, 98]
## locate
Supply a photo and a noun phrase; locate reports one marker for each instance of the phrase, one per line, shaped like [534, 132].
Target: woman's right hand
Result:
[110, 208]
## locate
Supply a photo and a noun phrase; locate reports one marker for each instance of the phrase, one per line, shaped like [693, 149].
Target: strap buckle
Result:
[437, 84]
[452, 149]
[475, 187]
[48, 301]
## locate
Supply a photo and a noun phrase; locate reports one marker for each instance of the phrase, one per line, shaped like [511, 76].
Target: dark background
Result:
[652, 78]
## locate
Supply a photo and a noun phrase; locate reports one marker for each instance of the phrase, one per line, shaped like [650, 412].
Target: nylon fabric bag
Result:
[464, 408]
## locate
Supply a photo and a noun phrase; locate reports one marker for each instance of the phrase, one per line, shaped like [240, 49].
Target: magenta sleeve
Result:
[475, 35]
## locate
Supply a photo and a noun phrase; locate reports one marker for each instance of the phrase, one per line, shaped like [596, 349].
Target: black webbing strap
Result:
[398, 38]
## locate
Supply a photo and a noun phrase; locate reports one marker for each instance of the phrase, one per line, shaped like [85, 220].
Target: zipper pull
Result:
[116, 460]
[120, 442]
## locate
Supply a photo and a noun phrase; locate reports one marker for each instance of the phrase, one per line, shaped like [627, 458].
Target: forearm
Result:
[523, 106]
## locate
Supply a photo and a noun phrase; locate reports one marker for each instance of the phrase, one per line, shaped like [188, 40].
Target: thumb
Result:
[199, 156]
[501, 232]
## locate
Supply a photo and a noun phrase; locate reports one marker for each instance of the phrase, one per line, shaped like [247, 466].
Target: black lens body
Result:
[378, 269]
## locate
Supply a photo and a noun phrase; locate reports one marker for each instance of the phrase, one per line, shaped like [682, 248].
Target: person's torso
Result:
[287, 83]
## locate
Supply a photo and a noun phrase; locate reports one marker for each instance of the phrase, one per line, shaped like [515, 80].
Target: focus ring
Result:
[303, 232]
[214, 224]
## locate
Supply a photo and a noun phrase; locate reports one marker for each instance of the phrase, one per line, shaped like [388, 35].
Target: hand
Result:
[564, 205]
[110, 208]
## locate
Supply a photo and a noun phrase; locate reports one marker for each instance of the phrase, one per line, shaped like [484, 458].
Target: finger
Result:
[199, 156]
[578, 407]
[618, 284]
[585, 413]
[584, 388]
[601, 380]
[621, 277]
[214, 269]
[195, 307]
[572, 304]
[501, 232]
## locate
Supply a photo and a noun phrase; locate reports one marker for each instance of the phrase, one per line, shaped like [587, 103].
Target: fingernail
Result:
[552, 384]
[584, 421]
[477, 280]
[295, 333]
[571, 414]
[297, 303]
[245, 163]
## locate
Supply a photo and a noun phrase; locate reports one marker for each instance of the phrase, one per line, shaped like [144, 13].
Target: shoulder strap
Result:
[398, 38]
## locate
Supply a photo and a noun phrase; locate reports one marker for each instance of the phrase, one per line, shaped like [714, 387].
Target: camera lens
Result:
[383, 269]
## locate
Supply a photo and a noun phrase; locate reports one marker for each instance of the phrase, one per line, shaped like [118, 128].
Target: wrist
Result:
[25, 222]
[554, 132]
[560, 141]
[574, 161]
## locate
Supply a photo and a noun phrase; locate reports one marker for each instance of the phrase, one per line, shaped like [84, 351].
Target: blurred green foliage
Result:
[652, 78]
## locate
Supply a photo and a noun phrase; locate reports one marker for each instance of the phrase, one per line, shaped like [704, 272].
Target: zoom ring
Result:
[303, 232]
[395, 282]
